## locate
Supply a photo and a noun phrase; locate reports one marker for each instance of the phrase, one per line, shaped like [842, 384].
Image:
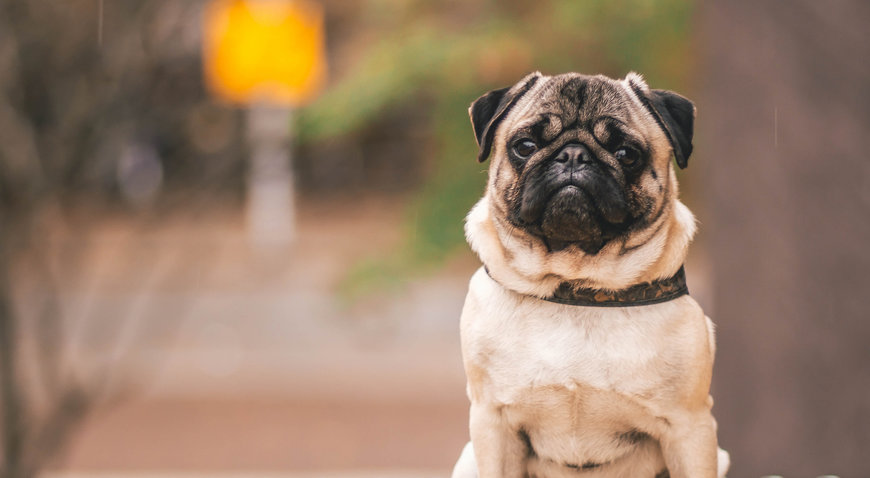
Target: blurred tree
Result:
[95, 103]
[787, 188]
[439, 57]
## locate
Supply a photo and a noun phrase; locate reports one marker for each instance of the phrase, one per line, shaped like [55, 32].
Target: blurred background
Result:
[204, 274]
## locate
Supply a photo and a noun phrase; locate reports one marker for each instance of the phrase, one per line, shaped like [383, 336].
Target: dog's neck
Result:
[522, 262]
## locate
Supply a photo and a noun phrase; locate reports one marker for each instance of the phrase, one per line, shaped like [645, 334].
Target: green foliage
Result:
[424, 55]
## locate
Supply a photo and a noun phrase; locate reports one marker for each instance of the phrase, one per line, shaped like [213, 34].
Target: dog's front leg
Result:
[500, 451]
[690, 447]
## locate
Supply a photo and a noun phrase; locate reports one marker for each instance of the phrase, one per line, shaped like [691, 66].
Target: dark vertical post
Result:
[784, 155]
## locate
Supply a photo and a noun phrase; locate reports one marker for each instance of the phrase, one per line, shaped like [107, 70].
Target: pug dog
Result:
[584, 353]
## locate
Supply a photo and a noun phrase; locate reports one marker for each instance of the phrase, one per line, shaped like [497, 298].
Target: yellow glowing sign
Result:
[264, 50]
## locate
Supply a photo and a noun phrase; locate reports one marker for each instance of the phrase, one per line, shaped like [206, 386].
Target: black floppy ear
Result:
[673, 112]
[487, 112]
[677, 115]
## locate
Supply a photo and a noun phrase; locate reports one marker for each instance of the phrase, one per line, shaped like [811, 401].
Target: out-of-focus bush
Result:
[416, 66]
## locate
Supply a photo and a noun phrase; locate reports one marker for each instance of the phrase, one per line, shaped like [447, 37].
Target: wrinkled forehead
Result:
[573, 100]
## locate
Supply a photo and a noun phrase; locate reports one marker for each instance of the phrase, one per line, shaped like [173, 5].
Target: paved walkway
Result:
[358, 474]
[240, 359]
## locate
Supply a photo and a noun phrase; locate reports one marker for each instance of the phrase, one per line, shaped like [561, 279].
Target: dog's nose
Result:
[572, 153]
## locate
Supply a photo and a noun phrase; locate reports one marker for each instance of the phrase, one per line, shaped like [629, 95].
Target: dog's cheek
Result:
[649, 187]
[641, 203]
[513, 199]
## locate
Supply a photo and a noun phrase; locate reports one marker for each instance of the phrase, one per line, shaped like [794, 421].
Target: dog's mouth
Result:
[575, 214]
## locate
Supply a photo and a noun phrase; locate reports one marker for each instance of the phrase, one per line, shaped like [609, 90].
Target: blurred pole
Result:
[783, 153]
[268, 55]
[270, 207]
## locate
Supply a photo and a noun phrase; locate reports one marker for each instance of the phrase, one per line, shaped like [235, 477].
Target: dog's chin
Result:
[571, 218]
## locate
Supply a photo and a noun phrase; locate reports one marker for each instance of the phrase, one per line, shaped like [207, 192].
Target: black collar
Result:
[648, 293]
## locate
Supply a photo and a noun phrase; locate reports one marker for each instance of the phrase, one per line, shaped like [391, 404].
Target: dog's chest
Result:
[568, 346]
[517, 348]
[545, 344]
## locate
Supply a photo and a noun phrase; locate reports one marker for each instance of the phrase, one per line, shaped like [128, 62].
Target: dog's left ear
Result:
[674, 113]
[487, 111]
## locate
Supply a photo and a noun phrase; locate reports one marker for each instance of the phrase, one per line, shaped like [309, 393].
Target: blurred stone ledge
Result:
[343, 474]
[325, 474]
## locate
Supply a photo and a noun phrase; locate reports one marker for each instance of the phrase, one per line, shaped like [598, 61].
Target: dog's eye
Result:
[627, 155]
[524, 148]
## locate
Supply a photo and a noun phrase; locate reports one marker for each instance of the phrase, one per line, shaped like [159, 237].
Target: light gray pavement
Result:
[325, 474]
[235, 359]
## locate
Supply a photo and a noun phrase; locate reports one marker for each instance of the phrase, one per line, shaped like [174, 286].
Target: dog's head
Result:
[582, 161]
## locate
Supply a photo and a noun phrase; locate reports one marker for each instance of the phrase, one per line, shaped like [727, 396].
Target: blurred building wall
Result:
[783, 147]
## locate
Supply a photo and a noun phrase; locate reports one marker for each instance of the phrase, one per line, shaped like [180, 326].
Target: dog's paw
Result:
[724, 463]
[466, 466]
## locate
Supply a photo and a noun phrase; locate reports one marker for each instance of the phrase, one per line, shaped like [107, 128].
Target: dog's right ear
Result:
[487, 111]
